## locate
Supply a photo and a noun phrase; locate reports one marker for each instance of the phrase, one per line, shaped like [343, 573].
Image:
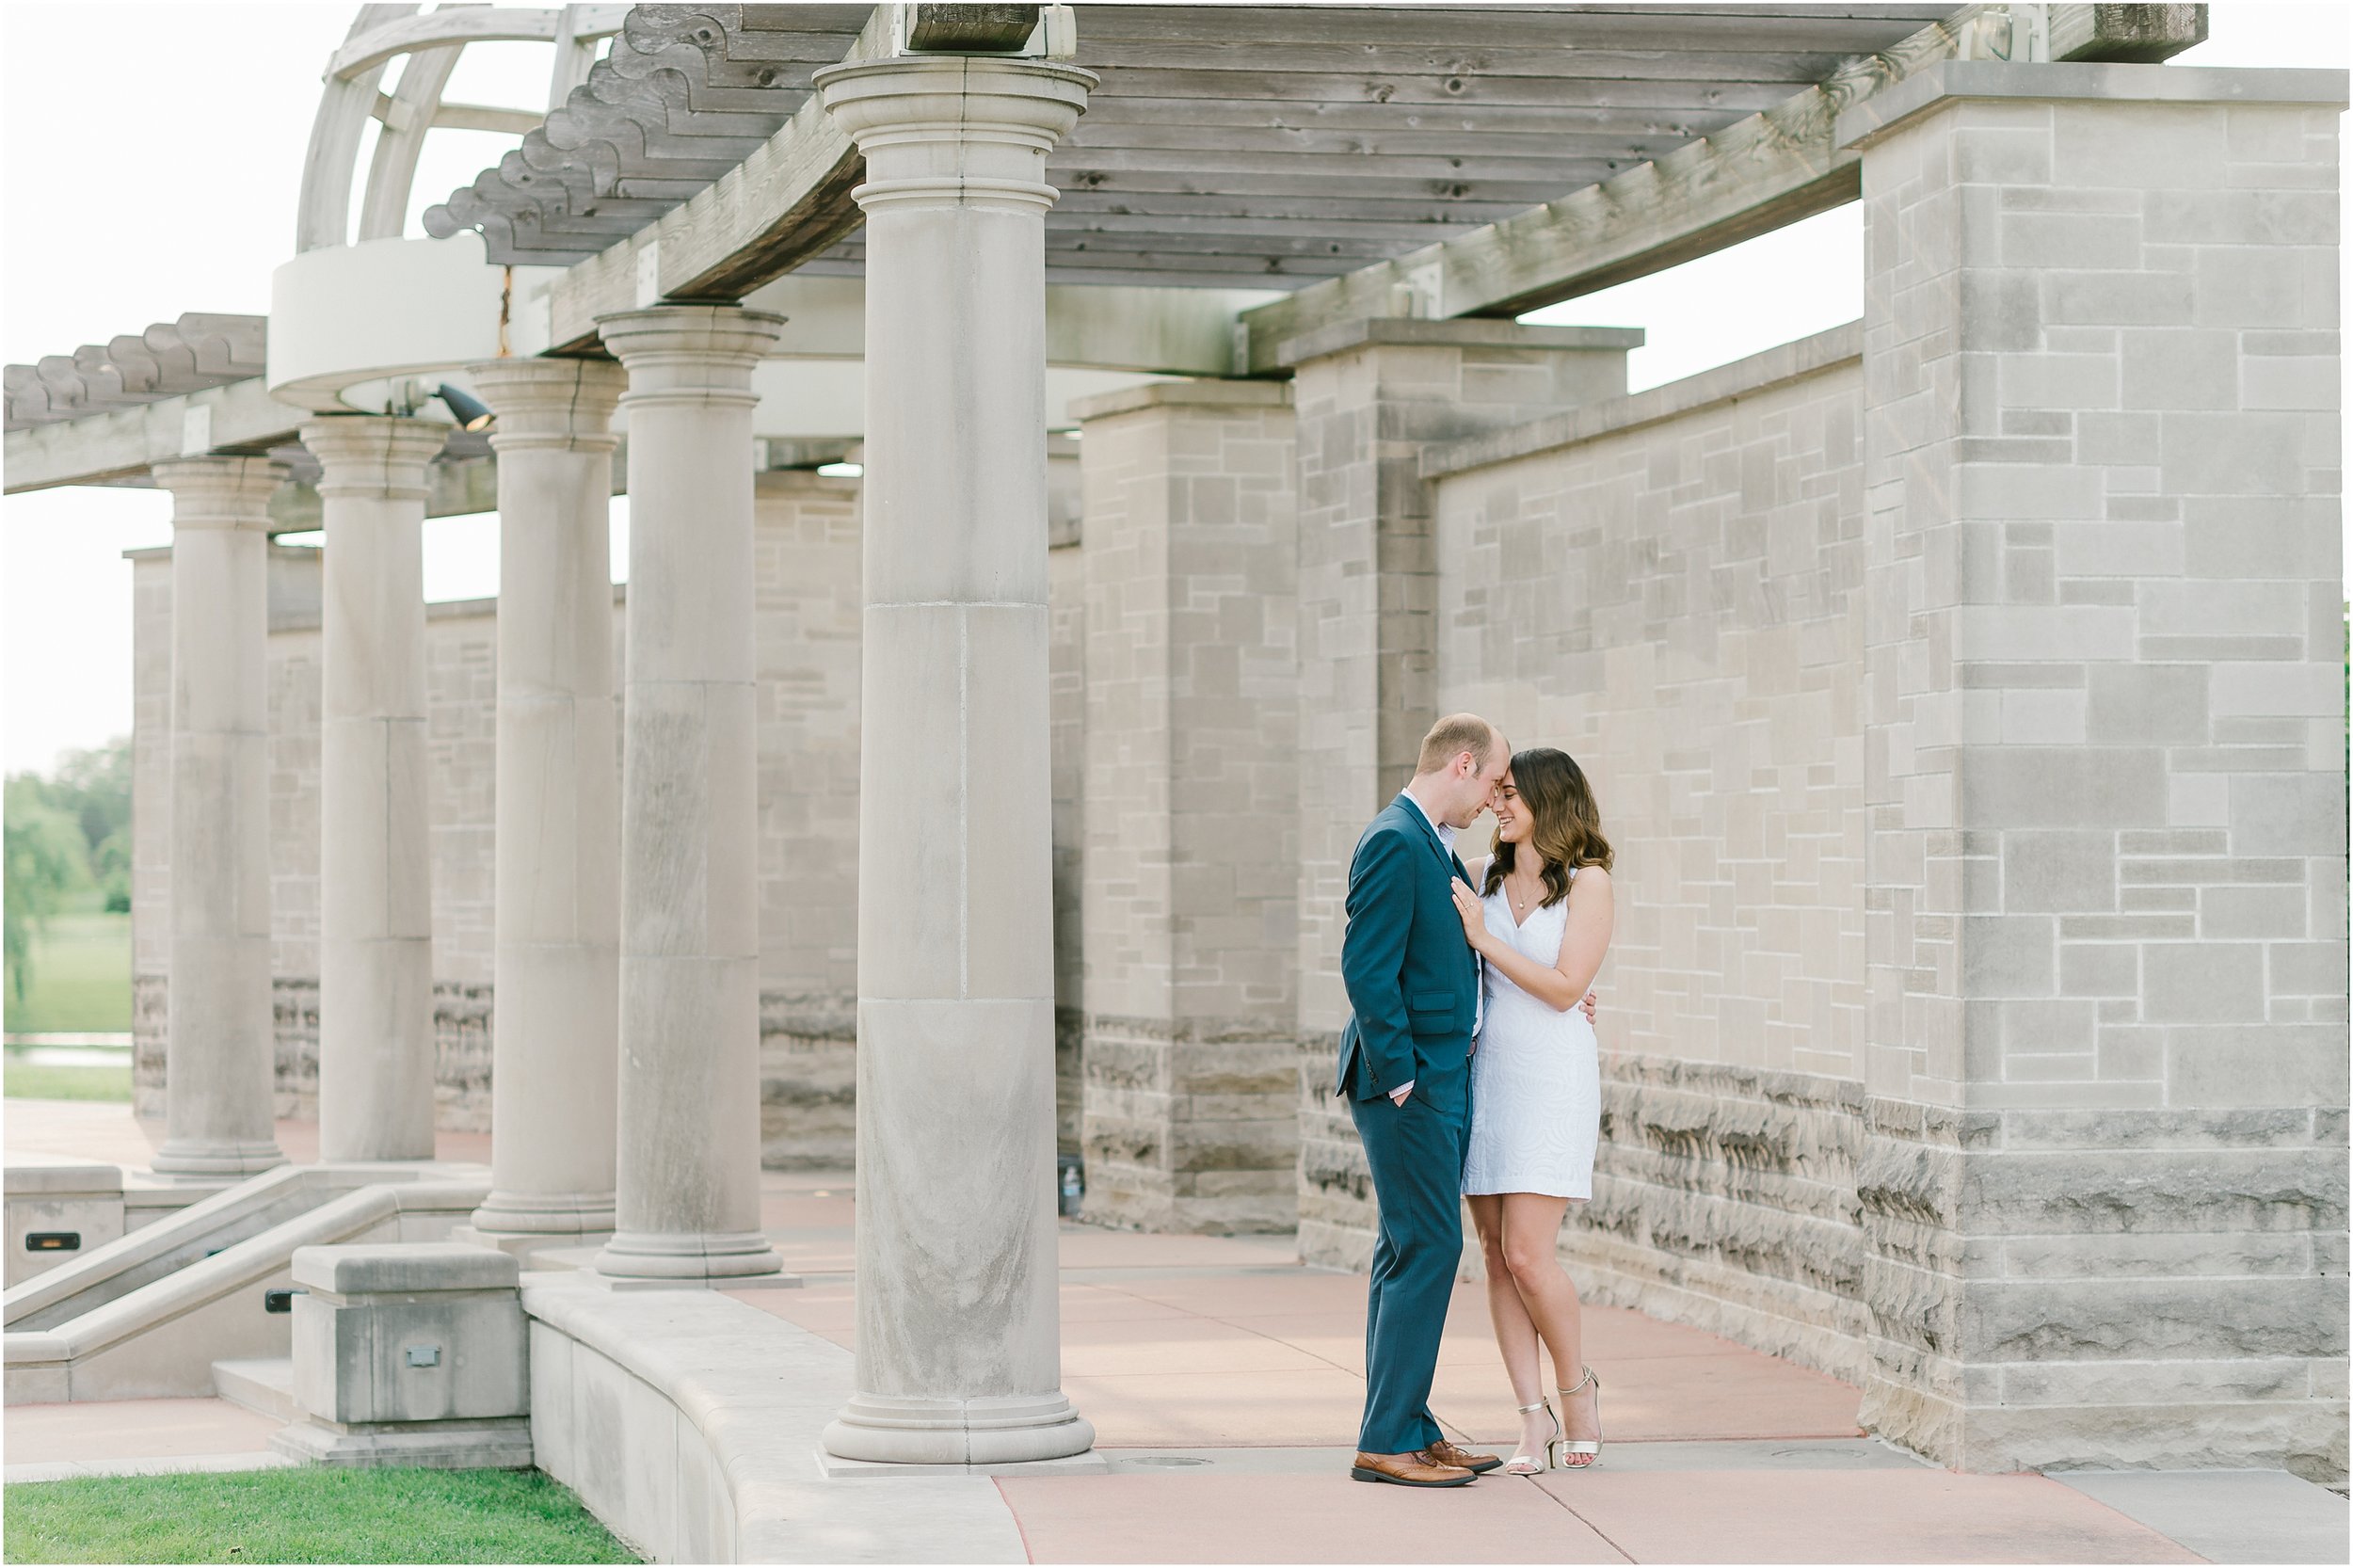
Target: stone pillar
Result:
[375, 915]
[1371, 396]
[554, 1041]
[688, 1204]
[2102, 1187]
[220, 1043]
[1191, 816]
[958, 1341]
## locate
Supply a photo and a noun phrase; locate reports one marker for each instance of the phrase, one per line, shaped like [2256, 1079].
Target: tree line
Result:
[68, 843]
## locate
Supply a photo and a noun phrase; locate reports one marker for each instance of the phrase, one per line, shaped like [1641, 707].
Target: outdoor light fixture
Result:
[842, 470]
[473, 413]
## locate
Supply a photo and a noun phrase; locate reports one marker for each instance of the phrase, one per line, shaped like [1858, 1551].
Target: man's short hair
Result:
[1453, 736]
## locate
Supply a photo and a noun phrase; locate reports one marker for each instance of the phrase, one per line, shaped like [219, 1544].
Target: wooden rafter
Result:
[1758, 174]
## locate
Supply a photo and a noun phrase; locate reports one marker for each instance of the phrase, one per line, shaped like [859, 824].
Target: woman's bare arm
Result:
[1583, 944]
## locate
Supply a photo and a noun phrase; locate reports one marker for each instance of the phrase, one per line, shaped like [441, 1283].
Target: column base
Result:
[189, 1156]
[688, 1256]
[529, 1247]
[565, 1214]
[1016, 1430]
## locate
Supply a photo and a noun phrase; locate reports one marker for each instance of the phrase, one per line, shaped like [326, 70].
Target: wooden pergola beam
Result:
[1755, 175]
[115, 446]
[780, 207]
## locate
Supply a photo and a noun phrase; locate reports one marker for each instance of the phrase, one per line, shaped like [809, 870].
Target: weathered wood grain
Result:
[100, 448]
[1755, 175]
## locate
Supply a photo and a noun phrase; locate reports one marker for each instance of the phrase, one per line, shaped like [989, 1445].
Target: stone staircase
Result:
[264, 1385]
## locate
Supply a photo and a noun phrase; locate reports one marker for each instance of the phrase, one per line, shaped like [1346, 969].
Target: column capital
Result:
[689, 353]
[563, 405]
[219, 492]
[375, 455]
[955, 130]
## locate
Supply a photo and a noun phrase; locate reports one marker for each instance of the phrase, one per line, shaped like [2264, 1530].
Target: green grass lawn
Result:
[28, 1081]
[308, 1515]
[81, 979]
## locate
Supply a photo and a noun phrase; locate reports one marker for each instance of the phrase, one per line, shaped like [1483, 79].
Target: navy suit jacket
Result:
[1411, 979]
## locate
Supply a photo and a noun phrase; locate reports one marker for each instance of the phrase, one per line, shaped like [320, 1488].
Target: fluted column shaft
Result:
[376, 912]
[688, 1178]
[218, 1052]
[958, 1342]
[555, 1037]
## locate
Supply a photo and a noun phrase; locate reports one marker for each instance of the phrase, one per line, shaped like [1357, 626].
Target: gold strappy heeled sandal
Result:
[1590, 1445]
[1534, 1465]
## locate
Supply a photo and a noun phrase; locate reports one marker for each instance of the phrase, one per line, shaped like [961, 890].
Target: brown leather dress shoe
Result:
[1408, 1470]
[1444, 1452]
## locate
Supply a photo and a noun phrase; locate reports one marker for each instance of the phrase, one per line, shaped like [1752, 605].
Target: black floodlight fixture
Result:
[473, 413]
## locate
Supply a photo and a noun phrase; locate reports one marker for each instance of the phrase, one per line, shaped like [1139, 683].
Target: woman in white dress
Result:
[1541, 928]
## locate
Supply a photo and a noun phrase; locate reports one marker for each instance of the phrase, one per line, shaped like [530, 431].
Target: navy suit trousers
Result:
[1415, 1151]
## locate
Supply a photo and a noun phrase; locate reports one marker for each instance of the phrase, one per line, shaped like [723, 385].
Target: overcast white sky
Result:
[177, 193]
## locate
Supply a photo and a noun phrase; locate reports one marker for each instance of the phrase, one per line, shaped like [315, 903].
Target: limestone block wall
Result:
[806, 557]
[1667, 587]
[1066, 591]
[1189, 804]
[1372, 396]
[2104, 1163]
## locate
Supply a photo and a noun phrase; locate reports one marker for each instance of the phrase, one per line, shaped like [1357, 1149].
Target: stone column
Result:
[958, 1342]
[2102, 1182]
[688, 1158]
[1370, 397]
[219, 1050]
[1191, 874]
[375, 913]
[555, 1042]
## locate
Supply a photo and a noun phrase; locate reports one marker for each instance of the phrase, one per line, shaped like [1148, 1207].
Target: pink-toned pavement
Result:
[104, 1130]
[1224, 1381]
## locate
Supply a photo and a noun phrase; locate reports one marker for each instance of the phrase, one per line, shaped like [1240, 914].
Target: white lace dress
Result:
[1535, 1075]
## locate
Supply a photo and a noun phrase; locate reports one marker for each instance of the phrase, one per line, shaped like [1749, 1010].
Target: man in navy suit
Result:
[1414, 989]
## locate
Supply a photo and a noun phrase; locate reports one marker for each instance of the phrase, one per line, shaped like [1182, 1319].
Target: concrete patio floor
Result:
[1224, 1381]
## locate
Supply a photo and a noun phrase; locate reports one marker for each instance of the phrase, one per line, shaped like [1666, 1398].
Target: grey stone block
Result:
[421, 1266]
[2007, 955]
[2064, 787]
[2204, 983]
[2287, 815]
[2146, 704]
[2278, 1065]
[2048, 873]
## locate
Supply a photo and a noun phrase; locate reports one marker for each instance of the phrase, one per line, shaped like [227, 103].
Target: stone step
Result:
[262, 1383]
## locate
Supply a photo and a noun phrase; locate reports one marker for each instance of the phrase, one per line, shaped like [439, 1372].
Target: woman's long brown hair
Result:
[1564, 824]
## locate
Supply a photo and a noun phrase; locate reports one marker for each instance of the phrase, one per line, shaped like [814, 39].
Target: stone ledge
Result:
[1458, 332]
[1202, 393]
[1758, 372]
[688, 1422]
[501, 1444]
[410, 1267]
[2082, 81]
